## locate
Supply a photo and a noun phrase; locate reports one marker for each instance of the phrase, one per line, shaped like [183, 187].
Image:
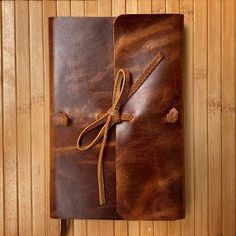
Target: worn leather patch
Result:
[149, 149]
[81, 56]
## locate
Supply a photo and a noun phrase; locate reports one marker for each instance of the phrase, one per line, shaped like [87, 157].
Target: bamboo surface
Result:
[209, 77]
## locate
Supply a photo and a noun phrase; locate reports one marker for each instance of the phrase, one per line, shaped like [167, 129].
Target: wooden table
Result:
[209, 117]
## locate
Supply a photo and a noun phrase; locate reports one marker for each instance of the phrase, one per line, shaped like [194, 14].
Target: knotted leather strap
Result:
[122, 92]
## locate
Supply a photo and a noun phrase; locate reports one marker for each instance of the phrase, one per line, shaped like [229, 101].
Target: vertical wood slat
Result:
[14, 103]
[118, 7]
[63, 8]
[100, 228]
[37, 119]
[91, 8]
[104, 7]
[158, 6]
[1, 135]
[228, 117]
[144, 6]
[200, 118]
[23, 117]
[131, 6]
[214, 116]
[186, 8]
[49, 9]
[77, 8]
[9, 119]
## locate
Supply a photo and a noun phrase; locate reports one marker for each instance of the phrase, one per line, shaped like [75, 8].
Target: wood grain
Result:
[214, 116]
[200, 118]
[1, 137]
[23, 118]
[186, 8]
[228, 118]
[209, 76]
[9, 120]
[37, 118]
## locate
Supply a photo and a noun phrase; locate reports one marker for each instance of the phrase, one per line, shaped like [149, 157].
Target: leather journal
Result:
[116, 125]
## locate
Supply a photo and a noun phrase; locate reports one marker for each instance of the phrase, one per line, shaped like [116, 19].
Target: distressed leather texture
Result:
[144, 157]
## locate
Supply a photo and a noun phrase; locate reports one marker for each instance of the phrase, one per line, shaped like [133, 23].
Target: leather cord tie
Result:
[122, 92]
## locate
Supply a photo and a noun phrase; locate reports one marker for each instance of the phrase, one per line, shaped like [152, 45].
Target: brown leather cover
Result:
[144, 158]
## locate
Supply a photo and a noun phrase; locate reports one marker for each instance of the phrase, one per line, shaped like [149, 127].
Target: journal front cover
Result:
[143, 159]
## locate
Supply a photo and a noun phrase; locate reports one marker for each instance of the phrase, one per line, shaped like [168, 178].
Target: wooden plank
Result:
[160, 228]
[99, 228]
[1, 135]
[63, 8]
[133, 228]
[77, 8]
[203, 123]
[228, 118]
[23, 118]
[214, 116]
[9, 119]
[37, 119]
[104, 7]
[200, 118]
[94, 228]
[49, 9]
[91, 8]
[145, 6]
[186, 8]
[118, 7]
[121, 228]
[107, 227]
[80, 228]
[158, 6]
[131, 6]
[146, 228]
[172, 6]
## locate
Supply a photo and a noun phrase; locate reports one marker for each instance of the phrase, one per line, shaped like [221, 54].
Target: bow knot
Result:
[122, 92]
[115, 114]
